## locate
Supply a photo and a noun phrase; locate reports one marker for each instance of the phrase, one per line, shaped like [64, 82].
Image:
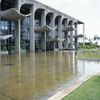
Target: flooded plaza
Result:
[37, 76]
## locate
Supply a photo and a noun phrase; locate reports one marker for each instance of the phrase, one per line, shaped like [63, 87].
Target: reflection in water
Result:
[37, 76]
[88, 67]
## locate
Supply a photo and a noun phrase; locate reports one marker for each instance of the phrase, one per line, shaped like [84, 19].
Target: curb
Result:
[90, 59]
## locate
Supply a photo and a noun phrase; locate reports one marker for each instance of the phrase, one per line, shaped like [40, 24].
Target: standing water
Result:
[40, 75]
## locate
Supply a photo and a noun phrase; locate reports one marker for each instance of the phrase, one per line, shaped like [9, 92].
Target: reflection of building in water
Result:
[36, 27]
[53, 70]
[34, 75]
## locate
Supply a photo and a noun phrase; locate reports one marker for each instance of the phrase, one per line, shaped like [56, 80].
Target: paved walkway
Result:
[60, 95]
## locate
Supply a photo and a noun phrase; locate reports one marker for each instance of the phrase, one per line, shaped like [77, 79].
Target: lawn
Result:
[90, 90]
[89, 53]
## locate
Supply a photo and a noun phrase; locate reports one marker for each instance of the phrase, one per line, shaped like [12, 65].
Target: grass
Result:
[89, 53]
[90, 90]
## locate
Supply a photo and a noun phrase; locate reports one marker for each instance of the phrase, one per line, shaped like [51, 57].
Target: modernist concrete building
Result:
[36, 27]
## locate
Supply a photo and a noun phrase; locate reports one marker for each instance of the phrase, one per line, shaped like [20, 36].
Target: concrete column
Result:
[43, 18]
[0, 46]
[18, 4]
[66, 41]
[71, 38]
[60, 33]
[53, 29]
[17, 36]
[43, 44]
[66, 36]
[76, 35]
[32, 33]
[83, 34]
[17, 30]
[43, 23]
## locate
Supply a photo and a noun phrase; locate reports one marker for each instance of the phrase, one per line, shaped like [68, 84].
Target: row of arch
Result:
[25, 8]
[48, 15]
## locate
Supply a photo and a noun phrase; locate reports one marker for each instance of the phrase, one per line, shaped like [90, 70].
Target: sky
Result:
[88, 11]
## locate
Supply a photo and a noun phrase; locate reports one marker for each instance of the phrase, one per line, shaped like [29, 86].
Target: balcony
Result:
[78, 36]
[55, 40]
[64, 29]
[4, 37]
[44, 28]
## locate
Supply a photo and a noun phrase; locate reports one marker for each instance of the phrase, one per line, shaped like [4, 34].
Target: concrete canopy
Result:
[67, 29]
[79, 36]
[11, 14]
[4, 37]
[55, 40]
[45, 28]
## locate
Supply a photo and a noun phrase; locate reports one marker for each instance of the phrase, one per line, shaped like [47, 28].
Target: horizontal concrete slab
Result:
[67, 29]
[78, 36]
[55, 40]
[11, 14]
[4, 37]
[44, 28]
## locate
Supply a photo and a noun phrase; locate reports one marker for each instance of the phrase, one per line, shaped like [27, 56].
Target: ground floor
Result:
[36, 29]
[16, 37]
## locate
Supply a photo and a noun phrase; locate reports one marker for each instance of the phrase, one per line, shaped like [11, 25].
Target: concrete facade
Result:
[37, 27]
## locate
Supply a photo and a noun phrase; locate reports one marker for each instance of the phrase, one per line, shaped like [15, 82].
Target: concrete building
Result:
[36, 27]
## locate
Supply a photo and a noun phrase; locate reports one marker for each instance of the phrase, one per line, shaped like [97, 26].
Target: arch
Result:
[25, 8]
[70, 22]
[57, 25]
[48, 18]
[75, 22]
[57, 19]
[23, 2]
[37, 16]
[65, 22]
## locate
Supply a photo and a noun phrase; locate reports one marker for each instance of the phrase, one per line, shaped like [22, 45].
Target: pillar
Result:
[83, 34]
[32, 33]
[43, 18]
[17, 36]
[43, 44]
[60, 33]
[66, 41]
[0, 46]
[18, 4]
[76, 35]
[53, 29]
[71, 38]
[66, 36]
[43, 34]
[18, 30]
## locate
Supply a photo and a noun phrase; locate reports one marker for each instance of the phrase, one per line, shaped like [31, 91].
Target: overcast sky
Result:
[87, 11]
